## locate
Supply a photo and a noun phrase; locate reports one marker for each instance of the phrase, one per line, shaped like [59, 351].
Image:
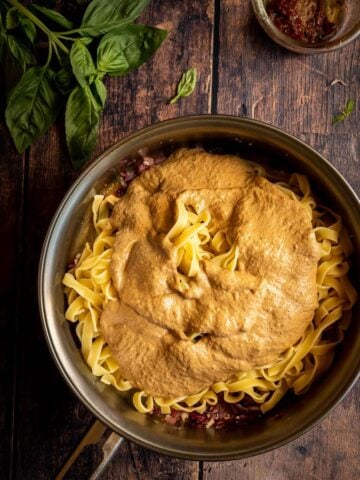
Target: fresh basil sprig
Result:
[186, 86]
[340, 117]
[106, 41]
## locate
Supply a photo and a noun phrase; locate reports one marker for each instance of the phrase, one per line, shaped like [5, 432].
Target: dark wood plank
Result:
[331, 447]
[262, 81]
[258, 79]
[141, 99]
[343, 152]
[48, 415]
[329, 451]
[145, 465]
[11, 190]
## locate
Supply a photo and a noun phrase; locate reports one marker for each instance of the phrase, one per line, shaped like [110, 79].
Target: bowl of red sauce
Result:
[309, 26]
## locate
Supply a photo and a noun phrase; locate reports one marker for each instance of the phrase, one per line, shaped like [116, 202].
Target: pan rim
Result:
[44, 313]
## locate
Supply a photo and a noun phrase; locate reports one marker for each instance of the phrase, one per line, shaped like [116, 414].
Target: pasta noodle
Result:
[88, 288]
[195, 241]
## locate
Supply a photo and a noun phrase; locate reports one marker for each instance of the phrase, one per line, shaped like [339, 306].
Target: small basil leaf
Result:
[86, 40]
[349, 107]
[186, 86]
[12, 19]
[127, 48]
[340, 117]
[99, 91]
[82, 63]
[102, 16]
[82, 119]
[64, 80]
[32, 108]
[29, 29]
[54, 16]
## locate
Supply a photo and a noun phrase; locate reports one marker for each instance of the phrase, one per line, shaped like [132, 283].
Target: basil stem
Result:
[24, 11]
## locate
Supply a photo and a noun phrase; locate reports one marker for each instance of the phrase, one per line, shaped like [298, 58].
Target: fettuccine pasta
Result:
[88, 289]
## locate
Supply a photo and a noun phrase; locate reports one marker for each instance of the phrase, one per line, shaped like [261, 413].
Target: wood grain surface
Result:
[241, 72]
[11, 201]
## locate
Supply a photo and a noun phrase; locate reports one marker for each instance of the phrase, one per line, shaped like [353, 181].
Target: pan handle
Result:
[92, 437]
[109, 448]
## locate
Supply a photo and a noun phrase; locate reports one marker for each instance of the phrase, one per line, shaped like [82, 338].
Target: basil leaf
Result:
[12, 69]
[64, 80]
[12, 19]
[52, 15]
[20, 51]
[102, 16]
[349, 107]
[3, 46]
[14, 56]
[86, 40]
[340, 117]
[127, 48]
[29, 29]
[32, 108]
[82, 63]
[186, 86]
[82, 119]
[99, 91]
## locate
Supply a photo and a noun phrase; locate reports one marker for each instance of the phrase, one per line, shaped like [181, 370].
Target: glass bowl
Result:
[349, 29]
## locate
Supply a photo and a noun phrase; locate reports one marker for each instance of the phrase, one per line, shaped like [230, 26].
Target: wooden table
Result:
[241, 72]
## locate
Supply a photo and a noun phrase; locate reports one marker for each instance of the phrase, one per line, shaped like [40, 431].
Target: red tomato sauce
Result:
[303, 20]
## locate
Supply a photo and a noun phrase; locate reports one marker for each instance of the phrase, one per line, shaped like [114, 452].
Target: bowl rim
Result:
[190, 454]
[295, 45]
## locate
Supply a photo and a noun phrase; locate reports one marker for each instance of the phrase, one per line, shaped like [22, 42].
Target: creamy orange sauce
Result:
[249, 316]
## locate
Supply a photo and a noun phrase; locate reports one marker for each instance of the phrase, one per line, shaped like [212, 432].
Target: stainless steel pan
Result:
[257, 141]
